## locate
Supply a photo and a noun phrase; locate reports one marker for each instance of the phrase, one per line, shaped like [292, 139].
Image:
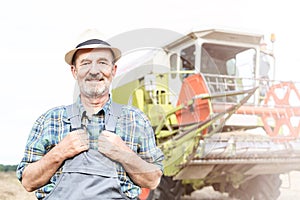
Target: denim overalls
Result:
[90, 175]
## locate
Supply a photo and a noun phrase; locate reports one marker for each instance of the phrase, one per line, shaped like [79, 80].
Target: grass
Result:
[11, 188]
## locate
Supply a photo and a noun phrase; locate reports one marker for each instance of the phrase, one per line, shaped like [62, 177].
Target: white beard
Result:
[94, 91]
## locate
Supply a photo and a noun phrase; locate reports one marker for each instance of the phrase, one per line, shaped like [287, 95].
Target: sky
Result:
[35, 35]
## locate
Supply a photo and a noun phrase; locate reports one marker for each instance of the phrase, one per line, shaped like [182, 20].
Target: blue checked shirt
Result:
[51, 127]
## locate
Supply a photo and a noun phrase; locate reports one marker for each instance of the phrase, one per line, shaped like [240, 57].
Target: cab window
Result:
[173, 63]
[187, 58]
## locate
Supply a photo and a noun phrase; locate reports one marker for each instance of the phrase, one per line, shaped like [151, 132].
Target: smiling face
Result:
[94, 69]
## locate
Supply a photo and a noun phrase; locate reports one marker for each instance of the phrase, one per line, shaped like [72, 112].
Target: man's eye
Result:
[103, 63]
[85, 63]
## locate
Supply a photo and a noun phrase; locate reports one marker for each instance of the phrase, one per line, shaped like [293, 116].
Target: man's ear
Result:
[74, 71]
[114, 70]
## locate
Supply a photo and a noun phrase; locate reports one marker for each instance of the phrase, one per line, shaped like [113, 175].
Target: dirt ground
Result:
[11, 189]
[290, 186]
[289, 190]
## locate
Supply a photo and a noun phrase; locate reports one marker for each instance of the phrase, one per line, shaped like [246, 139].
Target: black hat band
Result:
[92, 41]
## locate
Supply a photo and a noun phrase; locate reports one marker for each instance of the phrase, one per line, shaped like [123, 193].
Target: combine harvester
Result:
[219, 116]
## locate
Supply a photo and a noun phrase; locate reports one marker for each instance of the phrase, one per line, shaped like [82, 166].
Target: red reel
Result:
[278, 122]
[200, 110]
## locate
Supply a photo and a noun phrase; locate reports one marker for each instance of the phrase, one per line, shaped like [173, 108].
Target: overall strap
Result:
[110, 118]
[74, 116]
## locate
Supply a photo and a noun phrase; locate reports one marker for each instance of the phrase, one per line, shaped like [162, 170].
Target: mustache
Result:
[94, 78]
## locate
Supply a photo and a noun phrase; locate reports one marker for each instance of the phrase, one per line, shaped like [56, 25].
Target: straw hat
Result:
[91, 39]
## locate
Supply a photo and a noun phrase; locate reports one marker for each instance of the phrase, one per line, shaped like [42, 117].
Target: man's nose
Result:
[95, 68]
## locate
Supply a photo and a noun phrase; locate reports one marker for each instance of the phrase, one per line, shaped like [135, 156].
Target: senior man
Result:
[93, 148]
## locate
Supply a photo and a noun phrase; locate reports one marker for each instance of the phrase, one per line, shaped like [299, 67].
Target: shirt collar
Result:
[106, 107]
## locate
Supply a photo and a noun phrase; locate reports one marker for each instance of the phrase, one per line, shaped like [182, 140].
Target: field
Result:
[289, 190]
[11, 189]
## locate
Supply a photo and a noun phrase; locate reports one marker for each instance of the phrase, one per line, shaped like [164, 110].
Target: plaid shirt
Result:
[51, 127]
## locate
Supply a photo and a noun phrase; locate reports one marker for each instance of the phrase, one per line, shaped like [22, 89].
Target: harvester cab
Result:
[218, 113]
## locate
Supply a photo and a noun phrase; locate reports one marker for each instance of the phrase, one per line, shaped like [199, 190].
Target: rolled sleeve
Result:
[34, 149]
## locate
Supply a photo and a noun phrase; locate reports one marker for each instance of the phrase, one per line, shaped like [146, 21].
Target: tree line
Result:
[7, 168]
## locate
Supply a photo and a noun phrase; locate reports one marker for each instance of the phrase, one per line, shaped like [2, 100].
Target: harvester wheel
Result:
[167, 189]
[261, 187]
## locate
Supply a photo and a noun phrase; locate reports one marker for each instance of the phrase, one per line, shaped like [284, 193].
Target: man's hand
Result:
[112, 145]
[74, 143]
[39, 173]
[141, 172]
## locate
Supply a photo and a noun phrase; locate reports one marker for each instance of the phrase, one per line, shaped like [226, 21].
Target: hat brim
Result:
[70, 54]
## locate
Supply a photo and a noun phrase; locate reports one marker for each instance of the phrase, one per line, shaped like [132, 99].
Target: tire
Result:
[167, 190]
[262, 187]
